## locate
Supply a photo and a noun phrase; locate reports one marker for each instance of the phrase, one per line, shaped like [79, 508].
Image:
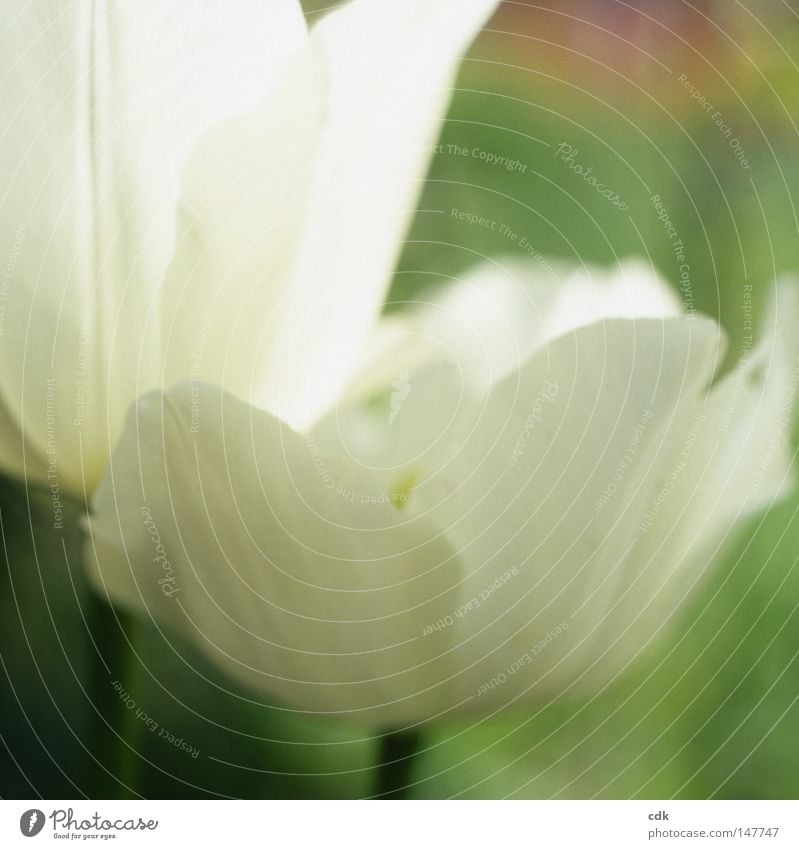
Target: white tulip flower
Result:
[509, 504]
[202, 191]
[503, 495]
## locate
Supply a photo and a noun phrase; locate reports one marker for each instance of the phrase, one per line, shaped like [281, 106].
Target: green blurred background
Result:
[713, 712]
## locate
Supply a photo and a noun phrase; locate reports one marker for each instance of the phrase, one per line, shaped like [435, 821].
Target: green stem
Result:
[398, 750]
[114, 774]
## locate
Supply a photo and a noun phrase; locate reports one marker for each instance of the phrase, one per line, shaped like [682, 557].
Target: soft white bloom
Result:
[503, 495]
[565, 465]
[201, 191]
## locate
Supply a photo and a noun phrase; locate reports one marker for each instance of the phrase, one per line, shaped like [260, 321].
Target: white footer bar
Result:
[404, 825]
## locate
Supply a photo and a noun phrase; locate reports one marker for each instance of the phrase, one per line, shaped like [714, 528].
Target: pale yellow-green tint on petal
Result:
[491, 319]
[392, 67]
[293, 571]
[729, 457]
[540, 491]
[102, 102]
[523, 564]
[245, 194]
[608, 472]
[589, 492]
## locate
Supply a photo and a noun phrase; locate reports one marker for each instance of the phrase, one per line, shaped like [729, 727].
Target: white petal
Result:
[491, 553]
[392, 67]
[245, 191]
[45, 209]
[518, 492]
[492, 319]
[102, 102]
[166, 73]
[231, 528]
[729, 457]
[595, 488]
[631, 289]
